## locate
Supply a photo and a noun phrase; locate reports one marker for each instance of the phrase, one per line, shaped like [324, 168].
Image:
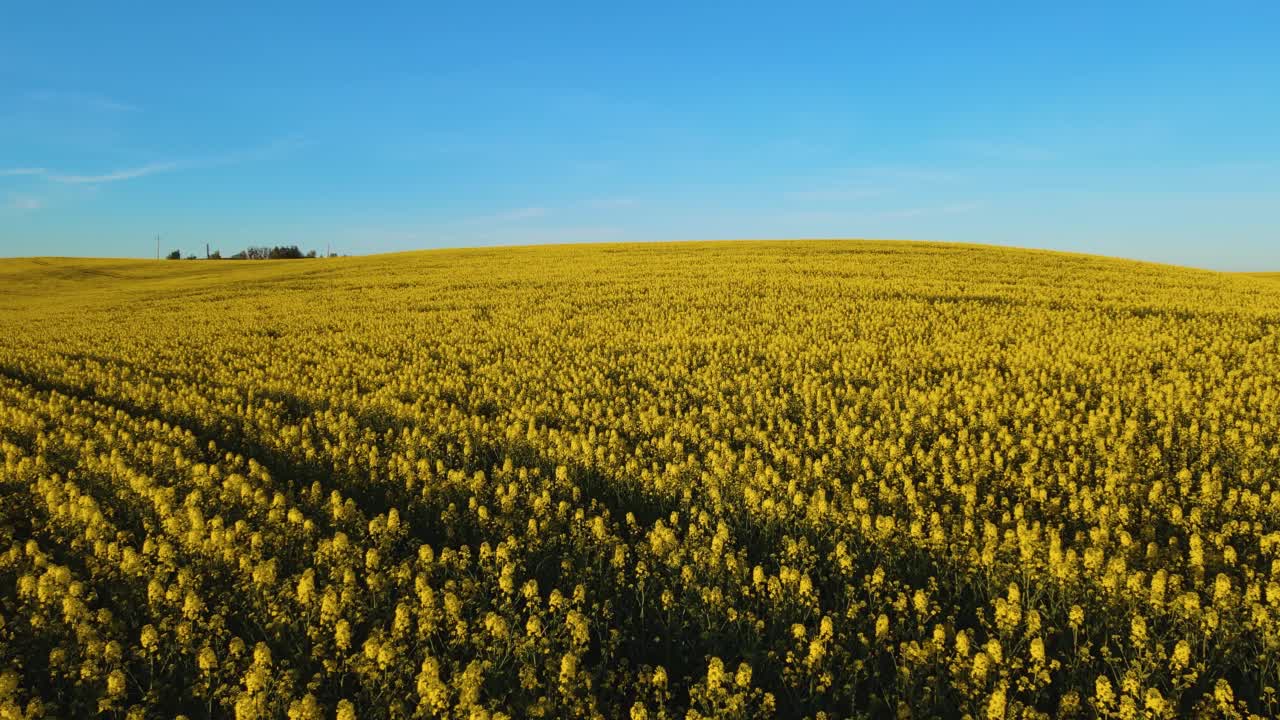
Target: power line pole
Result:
[157, 247]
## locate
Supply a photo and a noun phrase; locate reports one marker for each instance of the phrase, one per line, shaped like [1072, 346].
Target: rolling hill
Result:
[731, 479]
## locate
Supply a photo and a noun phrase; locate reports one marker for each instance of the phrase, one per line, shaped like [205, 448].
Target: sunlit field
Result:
[746, 480]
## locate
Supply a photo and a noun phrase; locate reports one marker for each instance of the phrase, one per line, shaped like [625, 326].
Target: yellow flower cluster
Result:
[789, 479]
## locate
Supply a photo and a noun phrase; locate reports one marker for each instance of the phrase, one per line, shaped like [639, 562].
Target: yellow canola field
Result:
[749, 479]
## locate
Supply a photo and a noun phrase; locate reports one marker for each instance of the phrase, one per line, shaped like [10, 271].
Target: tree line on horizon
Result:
[279, 252]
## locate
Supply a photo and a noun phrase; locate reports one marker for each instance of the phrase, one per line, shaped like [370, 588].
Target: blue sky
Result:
[1147, 130]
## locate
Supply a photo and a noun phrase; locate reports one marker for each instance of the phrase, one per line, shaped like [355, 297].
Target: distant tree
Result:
[175, 255]
[216, 255]
[290, 252]
[279, 252]
[311, 253]
[333, 254]
[191, 257]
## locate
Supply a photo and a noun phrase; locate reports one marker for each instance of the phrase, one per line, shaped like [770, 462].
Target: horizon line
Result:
[681, 241]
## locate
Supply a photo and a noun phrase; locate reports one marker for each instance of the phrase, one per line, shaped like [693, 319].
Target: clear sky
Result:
[1147, 130]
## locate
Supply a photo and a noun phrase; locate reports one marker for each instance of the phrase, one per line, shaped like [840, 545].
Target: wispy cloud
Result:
[24, 203]
[22, 171]
[116, 176]
[233, 157]
[72, 179]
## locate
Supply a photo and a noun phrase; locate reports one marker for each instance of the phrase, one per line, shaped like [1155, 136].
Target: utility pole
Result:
[206, 251]
[157, 247]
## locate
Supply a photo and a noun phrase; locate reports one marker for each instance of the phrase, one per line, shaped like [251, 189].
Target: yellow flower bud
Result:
[115, 684]
[882, 627]
[342, 635]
